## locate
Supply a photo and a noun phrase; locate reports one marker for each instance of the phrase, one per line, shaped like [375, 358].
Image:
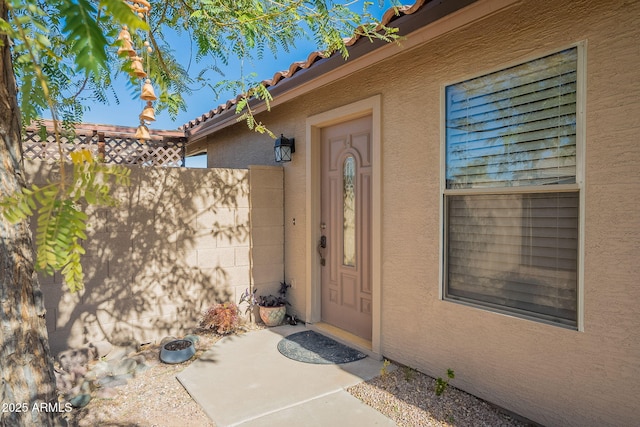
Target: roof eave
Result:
[361, 55]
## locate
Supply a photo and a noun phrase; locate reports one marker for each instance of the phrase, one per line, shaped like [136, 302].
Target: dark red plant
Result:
[223, 318]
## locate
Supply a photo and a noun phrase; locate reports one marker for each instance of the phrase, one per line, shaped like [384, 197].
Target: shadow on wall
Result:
[177, 242]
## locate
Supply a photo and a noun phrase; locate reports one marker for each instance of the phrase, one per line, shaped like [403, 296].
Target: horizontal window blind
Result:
[516, 252]
[514, 127]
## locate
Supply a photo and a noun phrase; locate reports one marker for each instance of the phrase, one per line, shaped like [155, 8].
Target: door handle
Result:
[322, 245]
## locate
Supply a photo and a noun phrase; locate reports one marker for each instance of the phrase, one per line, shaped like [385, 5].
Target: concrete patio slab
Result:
[336, 410]
[244, 380]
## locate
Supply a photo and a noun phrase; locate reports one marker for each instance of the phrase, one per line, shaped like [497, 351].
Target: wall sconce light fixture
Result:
[283, 149]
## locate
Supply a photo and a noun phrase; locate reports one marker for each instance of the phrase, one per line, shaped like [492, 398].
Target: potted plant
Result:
[272, 308]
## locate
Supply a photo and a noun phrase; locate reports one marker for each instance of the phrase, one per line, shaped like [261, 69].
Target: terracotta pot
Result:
[272, 316]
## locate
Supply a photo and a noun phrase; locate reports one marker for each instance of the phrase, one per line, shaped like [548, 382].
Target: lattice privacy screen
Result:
[114, 149]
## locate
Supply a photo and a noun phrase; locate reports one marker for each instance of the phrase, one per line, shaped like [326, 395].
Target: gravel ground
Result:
[156, 398]
[408, 397]
[152, 398]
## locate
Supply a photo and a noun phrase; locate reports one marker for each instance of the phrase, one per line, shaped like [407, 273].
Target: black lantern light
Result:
[283, 148]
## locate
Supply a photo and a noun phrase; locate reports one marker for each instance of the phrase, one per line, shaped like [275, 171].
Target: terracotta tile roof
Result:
[390, 15]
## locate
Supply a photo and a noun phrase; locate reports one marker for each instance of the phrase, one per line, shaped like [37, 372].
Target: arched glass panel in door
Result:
[349, 212]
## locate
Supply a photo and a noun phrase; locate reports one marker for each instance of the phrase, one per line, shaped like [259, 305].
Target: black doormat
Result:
[311, 347]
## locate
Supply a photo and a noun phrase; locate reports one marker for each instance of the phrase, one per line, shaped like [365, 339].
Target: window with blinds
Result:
[511, 195]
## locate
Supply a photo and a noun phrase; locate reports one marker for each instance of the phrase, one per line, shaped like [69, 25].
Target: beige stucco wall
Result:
[232, 150]
[179, 241]
[549, 374]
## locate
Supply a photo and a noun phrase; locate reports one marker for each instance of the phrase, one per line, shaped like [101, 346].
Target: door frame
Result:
[369, 106]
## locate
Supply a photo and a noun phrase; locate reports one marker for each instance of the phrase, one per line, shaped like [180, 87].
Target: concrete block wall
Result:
[179, 241]
[266, 199]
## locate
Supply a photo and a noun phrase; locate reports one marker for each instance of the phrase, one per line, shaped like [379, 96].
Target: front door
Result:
[346, 226]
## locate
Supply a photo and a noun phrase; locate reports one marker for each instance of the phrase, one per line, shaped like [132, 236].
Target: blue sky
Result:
[199, 102]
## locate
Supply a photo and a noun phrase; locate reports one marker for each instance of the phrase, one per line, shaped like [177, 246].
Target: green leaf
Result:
[122, 14]
[85, 35]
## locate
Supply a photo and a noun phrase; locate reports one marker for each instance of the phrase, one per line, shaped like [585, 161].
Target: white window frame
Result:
[579, 185]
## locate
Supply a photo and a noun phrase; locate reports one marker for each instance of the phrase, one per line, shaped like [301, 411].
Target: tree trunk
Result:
[28, 378]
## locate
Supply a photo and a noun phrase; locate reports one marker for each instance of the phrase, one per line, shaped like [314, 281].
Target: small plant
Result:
[250, 299]
[275, 301]
[264, 300]
[384, 371]
[271, 301]
[409, 373]
[223, 318]
[441, 385]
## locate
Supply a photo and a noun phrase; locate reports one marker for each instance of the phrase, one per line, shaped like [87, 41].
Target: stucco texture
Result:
[552, 375]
